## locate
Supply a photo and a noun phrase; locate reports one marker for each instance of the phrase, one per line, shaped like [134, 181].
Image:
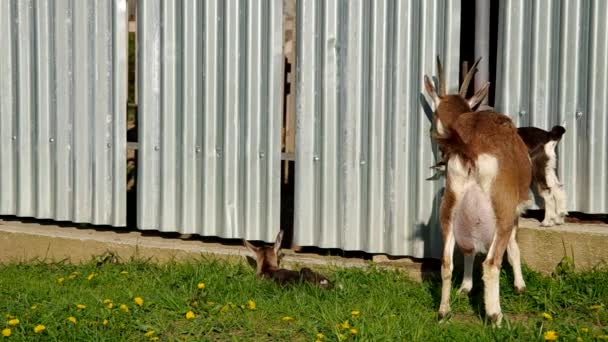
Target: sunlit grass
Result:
[217, 300]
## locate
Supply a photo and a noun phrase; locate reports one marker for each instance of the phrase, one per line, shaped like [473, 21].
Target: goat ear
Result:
[430, 90]
[277, 242]
[479, 96]
[253, 249]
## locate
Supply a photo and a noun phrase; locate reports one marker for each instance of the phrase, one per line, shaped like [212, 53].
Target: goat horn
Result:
[467, 79]
[440, 78]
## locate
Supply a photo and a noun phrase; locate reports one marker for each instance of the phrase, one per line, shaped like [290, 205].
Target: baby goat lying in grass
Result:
[541, 147]
[268, 259]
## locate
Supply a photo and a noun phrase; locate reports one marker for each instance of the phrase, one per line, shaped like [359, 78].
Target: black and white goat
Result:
[541, 147]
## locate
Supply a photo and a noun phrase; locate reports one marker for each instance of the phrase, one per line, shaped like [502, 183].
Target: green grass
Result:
[392, 307]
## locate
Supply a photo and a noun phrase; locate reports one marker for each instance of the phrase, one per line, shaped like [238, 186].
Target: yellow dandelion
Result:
[551, 335]
[73, 275]
[355, 313]
[201, 286]
[354, 331]
[107, 300]
[39, 328]
[595, 307]
[287, 318]
[105, 322]
[190, 315]
[154, 338]
[60, 280]
[344, 325]
[547, 316]
[13, 322]
[72, 319]
[33, 307]
[81, 306]
[124, 272]
[6, 332]
[124, 308]
[251, 304]
[92, 276]
[149, 333]
[110, 305]
[585, 330]
[318, 340]
[139, 301]
[319, 336]
[579, 339]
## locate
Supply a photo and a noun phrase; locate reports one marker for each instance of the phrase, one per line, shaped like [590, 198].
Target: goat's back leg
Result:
[559, 194]
[491, 271]
[513, 256]
[467, 278]
[449, 242]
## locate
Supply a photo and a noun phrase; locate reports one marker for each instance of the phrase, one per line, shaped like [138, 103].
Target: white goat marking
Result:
[487, 169]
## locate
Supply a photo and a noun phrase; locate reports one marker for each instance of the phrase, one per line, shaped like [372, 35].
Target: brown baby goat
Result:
[488, 174]
[268, 259]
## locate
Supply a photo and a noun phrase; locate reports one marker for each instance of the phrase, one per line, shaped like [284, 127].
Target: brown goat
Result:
[541, 147]
[268, 259]
[488, 174]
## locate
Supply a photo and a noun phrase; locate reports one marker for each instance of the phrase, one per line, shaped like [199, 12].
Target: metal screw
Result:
[316, 158]
[14, 137]
[52, 140]
[198, 149]
[523, 113]
[108, 145]
[156, 148]
[363, 162]
[579, 114]
[262, 155]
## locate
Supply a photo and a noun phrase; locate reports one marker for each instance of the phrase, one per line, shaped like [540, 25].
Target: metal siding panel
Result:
[43, 112]
[220, 118]
[363, 149]
[7, 103]
[25, 161]
[64, 76]
[186, 151]
[553, 71]
[57, 123]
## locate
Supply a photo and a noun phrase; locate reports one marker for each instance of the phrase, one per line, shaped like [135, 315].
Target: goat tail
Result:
[557, 132]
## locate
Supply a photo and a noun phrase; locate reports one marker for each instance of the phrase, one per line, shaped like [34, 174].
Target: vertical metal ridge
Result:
[362, 142]
[225, 59]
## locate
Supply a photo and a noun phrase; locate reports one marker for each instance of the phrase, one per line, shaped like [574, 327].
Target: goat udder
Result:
[474, 221]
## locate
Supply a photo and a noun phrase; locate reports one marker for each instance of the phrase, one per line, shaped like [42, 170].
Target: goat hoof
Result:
[496, 319]
[443, 316]
[463, 291]
[520, 290]
[547, 223]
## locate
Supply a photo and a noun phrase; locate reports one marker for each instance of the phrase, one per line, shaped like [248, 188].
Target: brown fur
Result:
[268, 259]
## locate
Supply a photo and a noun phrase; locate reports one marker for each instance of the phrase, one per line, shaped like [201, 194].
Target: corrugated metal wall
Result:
[210, 108]
[552, 68]
[63, 110]
[363, 138]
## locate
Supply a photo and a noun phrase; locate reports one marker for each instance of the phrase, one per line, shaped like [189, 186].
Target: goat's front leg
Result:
[467, 279]
[447, 266]
[515, 261]
[549, 207]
